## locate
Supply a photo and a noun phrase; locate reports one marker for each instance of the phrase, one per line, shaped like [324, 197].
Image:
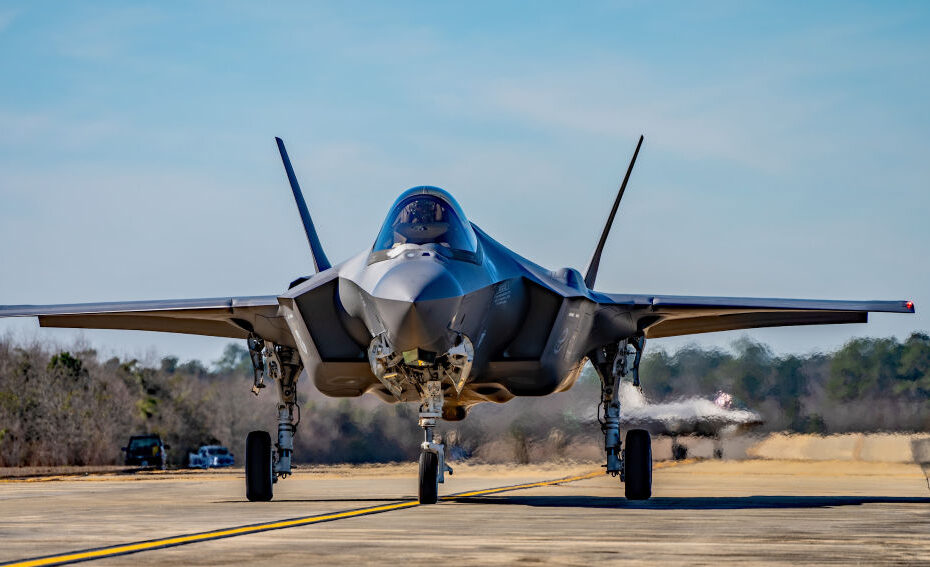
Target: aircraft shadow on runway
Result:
[323, 500]
[693, 503]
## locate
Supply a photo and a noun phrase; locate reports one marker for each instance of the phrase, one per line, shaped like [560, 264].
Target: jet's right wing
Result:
[673, 315]
[233, 317]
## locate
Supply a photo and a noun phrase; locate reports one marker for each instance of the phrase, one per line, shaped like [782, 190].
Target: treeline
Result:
[867, 385]
[69, 407]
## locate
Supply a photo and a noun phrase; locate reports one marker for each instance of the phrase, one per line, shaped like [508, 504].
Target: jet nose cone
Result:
[420, 325]
[417, 302]
[418, 280]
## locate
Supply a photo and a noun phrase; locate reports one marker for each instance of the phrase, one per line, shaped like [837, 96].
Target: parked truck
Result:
[146, 451]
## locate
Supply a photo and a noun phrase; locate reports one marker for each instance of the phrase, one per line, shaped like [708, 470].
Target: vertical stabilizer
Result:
[316, 249]
[596, 259]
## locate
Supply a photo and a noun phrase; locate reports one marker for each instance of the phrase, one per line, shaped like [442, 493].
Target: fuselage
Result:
[421, 306]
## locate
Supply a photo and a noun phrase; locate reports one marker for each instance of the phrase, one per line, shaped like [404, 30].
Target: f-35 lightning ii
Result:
[439, 313]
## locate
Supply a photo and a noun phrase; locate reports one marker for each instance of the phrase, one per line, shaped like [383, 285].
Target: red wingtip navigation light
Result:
[909, 305]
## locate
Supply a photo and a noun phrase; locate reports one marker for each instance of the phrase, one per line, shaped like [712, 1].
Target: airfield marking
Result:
[126, 549]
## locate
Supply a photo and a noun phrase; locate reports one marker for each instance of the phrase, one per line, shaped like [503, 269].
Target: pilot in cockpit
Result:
[429, 217]
[422, 221]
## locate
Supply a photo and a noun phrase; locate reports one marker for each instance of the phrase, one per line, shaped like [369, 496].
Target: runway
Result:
[764, 512]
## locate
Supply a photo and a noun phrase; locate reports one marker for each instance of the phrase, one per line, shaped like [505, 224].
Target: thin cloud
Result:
[54, 129]
[731, 121]
[6, 19]
[105, 35]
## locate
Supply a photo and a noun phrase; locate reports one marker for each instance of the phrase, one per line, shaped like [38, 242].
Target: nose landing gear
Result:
[428, 492]
[409, 374]
[432, 455]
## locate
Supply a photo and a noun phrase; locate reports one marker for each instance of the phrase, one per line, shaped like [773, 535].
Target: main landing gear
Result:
[265, 464]
[634, 464]
[637, 465]
[259, 467]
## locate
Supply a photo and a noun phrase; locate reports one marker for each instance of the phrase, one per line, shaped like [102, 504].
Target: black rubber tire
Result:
[259, 475]
[637, 465]
[429, 472]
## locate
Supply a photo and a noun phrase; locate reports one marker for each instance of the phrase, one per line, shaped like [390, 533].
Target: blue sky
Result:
[786, 151]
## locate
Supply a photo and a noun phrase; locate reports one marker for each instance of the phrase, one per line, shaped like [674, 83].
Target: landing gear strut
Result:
[634, 465]
[432, 455]
[265, 466]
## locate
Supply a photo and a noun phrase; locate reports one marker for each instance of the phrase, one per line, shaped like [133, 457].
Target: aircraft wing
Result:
[232, 317]
[674, 315]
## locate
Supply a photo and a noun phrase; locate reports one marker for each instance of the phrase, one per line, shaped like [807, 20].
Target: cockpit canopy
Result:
[427, 216]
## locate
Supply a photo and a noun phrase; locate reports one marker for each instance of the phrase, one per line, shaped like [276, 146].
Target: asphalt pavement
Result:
[703, 512]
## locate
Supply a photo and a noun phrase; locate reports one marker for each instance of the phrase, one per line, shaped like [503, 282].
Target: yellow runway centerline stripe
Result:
[91, 554]
[522, 486]
[193, 538]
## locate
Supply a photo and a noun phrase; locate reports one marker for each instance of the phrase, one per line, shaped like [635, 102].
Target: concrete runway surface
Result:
[705, 512]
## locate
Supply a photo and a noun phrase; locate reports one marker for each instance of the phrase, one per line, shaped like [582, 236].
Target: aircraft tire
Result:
[259, 475]
[637, 465]
[429, 481]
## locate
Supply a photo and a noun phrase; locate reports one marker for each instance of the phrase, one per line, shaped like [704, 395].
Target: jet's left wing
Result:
[233, 317]
[673, 315]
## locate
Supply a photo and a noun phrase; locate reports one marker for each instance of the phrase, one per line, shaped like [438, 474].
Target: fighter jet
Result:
[439, 313]
[690, 416]
[693, 417]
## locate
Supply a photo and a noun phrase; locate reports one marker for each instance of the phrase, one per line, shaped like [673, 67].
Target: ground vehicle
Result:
[211, 456]
[146, 451]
